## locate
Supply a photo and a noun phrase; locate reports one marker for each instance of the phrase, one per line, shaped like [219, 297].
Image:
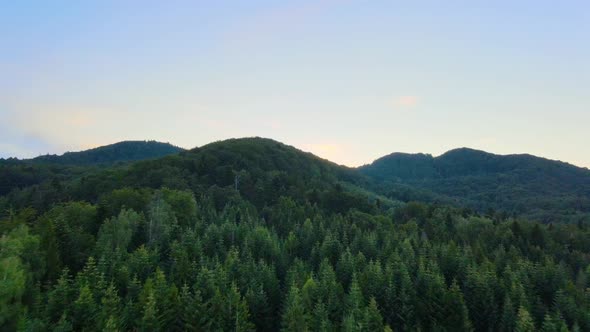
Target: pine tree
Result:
[111, 325]
[345, 268]
[111, 309]
[309, 293]
[149, 321]
[63, 325]
[330, 291]
[238, 313]
[216, 318]
[294, 317]
[431, 290]
[355, 301]
[320, 320]
[480, 299]
[456, 314]
[260, 312]
[548, 324]
[192, 310]
[508, 320]
[524, 322]
[373, 318]
[566, 305]
[404, 301]
[350, 324]
[85, 310]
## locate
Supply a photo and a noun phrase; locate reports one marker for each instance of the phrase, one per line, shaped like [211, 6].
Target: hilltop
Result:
[124, 151]
[520, 184]
[253, 234]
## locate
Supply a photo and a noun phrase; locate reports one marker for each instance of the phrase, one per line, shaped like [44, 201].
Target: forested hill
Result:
[542, 189]
[262, 170]
[20, 174]
[113, 153]
[252, 234]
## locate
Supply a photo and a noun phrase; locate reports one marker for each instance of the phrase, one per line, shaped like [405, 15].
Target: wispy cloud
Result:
[67, 127]
[15, 143]
[406, 101]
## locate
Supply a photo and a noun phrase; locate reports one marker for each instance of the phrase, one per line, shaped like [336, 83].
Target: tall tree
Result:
[524, 322]
[294, 316]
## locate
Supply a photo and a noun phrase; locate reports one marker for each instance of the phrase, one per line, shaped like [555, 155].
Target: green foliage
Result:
[373, 318]
[12, 289]
[175, 244]
[295, 318]
[225, 273]
[109, 154]
[115, 234]
[524, 185]
[20, 269]
[524, 322]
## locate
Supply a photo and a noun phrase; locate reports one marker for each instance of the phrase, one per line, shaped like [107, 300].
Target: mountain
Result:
[109, 154]
[521, 185]
[255, 235]
[538, 188]
[261, 169]
[15, 173]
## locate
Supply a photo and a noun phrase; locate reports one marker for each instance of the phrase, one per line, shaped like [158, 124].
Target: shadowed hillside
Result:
[260, 170]
[252, 234]
[113, 153]
[18, 174]
[547, 190]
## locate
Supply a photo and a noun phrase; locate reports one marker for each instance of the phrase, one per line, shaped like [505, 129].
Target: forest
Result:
[523, 185]
[255, 235]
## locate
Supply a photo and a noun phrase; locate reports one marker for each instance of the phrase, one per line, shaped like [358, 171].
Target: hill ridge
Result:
[522, 184]
[123, 151]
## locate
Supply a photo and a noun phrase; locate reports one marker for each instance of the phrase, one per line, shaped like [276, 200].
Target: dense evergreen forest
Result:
[523, 185]
[251, 234]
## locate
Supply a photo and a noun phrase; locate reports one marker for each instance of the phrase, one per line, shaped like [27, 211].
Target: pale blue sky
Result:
[347, 80]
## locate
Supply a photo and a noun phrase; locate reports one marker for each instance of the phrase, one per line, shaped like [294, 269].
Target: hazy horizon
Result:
[349, 81]
[302, 149]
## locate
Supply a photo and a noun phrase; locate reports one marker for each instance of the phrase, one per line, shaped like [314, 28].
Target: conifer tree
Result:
[524, 322]
[456, 313]
[84, 310]
[373, 318]
[192, 310]
[548, 324]
[294, 317]
[149, 321]
[110, 309]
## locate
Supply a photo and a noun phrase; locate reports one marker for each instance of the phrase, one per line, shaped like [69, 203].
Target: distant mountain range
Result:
[263, 170]
[119, 152]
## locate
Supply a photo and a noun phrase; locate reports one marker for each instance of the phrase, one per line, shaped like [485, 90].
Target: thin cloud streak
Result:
[406, 101]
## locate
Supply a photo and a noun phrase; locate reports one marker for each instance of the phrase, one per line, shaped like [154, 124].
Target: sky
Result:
[347, 80]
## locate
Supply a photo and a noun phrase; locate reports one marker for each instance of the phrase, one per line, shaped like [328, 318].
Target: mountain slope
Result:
[113, 153]
[256, 169]
[15, 173]
[254, 235]
[521, 184]
[261, 169]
